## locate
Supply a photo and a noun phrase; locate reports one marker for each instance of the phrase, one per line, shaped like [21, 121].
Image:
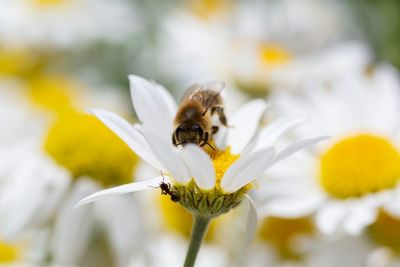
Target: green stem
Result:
[199, 229]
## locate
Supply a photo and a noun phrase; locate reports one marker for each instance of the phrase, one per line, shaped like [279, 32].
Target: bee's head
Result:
[187, 133]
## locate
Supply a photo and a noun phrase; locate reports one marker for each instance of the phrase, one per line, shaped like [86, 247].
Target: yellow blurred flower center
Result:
[8, 253]
[177, 219]
[282, 233]
[222, 160]
[274, 55]
[360, 165]
[48, 3]
[208, 8]
[386, 231]
[87, 147]
[52, 93]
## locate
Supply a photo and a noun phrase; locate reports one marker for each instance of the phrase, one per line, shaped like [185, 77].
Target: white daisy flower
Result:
[62, 23]
[347, 180]
[206, 186]
[59, 169]
[252, 46]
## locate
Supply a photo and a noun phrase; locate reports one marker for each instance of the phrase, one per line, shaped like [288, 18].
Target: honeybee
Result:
[193, 121]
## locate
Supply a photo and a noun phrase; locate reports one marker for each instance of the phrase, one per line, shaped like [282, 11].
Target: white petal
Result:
[252, 219]
[73, 228]
[295, 147]
[246, 169]
[131, 136]
[123, 189]
[271, 133]
[169, 156]
[152, 104]
[329, 217]
[199, 166]
[244, 124]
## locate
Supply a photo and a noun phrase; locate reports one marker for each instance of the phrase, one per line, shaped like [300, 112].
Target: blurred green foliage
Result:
[380, 22]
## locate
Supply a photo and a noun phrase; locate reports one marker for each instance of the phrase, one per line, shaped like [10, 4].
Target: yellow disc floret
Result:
[51, 92]
[274, 55]
[8, 253]
[386, 231]
[360, 165]
[86, 147]
[222, 160]
[282, 233]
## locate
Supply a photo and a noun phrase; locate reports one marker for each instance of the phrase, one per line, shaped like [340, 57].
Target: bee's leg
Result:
[221, 114]
[214, 129]
[204, 139]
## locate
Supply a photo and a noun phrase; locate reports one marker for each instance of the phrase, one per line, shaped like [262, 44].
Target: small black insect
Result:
[166, 190]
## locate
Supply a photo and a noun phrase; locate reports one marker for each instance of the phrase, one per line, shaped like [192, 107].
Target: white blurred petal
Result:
[299, 145]
[73, 227]
[252, 219]
[31, 197]
[290, 206]
[330, 216]
[121, 219]
[361, 216]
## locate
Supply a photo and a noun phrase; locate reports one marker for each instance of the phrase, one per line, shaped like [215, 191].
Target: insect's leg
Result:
[221, 115]
[204, 139]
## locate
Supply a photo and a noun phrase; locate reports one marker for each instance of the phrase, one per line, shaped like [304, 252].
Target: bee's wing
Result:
[213, 86]
[191, 91]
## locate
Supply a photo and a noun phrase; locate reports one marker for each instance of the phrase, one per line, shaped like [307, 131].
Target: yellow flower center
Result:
[274, 55]
[359, 165]
[385, 231]
[222, 160]
[87, 147]
[206, 9]
[282, 234]
[8, 253]
[53, 93]
[177, 219]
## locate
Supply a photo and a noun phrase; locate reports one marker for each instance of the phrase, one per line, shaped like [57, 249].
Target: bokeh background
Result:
[58, 58]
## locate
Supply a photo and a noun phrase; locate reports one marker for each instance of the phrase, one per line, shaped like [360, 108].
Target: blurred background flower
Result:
[332, 63]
